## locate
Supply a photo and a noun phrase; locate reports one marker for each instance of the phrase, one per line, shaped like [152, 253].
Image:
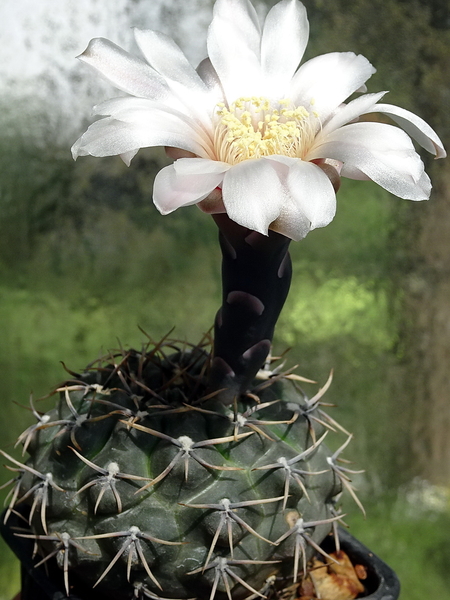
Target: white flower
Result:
[249, 127]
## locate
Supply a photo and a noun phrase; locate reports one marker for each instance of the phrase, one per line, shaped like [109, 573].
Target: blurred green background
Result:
[85, 260]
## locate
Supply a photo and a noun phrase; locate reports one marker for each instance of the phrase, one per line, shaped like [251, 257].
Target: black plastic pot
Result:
[47, 583]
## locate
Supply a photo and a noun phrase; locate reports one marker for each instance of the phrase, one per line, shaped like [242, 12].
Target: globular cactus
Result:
[143, 484]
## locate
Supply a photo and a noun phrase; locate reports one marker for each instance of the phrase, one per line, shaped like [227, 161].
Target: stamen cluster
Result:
[254, 127]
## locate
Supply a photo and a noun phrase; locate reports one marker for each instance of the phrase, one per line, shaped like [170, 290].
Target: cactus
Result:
[174, 472]
[144, 484]
[178, 472]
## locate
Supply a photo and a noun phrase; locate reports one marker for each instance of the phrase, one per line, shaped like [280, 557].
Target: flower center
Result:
[256, 127]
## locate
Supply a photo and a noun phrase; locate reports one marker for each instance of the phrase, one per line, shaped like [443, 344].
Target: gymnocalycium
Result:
[178, 471]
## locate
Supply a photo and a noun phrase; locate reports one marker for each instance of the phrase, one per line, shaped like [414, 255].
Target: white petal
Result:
[292, 221]
[165, 56]
[324, 82]
[424, 185]
[310, 202]
[390, 144]
[209, 76]
[124, 71]
[141, 111]
[348, 112]
[351, 172]
[284, 39]
[109, 137]
[416, 127]
[242, 15]
[155, 115]
[186, 182]
[199, 166]
[127, 157]
[234, 48]
[382, 152]
[124, 105]
[253, 194]
[313, 192]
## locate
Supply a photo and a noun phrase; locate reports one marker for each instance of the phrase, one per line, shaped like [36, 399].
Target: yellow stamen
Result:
[253, 127]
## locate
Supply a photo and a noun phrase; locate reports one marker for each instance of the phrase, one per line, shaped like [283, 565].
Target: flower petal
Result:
[324, 82]
[186, 182]
[292, 221]
[416, 127]
[124, 71]
[348, 112]
[253, 194]
[313, 192]
[284, 39]
[125, 108]
[108, 137]
[382, 152]
[127, 157]
[199, 166]
[211, 80]
[234, 48]
[310, 202]
[155, 115]
[165, 56]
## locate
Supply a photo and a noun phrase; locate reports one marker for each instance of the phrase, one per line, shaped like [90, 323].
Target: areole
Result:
[37, 584]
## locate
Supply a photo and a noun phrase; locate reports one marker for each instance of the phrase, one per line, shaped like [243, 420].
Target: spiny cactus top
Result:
[144, 485]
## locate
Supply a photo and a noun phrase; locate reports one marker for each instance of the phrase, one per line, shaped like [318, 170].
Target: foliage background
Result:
[85, 260]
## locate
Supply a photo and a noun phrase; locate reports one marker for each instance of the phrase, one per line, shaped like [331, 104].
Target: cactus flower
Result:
[250, 130]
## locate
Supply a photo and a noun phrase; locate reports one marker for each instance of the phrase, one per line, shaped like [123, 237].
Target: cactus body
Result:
[143, 484]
